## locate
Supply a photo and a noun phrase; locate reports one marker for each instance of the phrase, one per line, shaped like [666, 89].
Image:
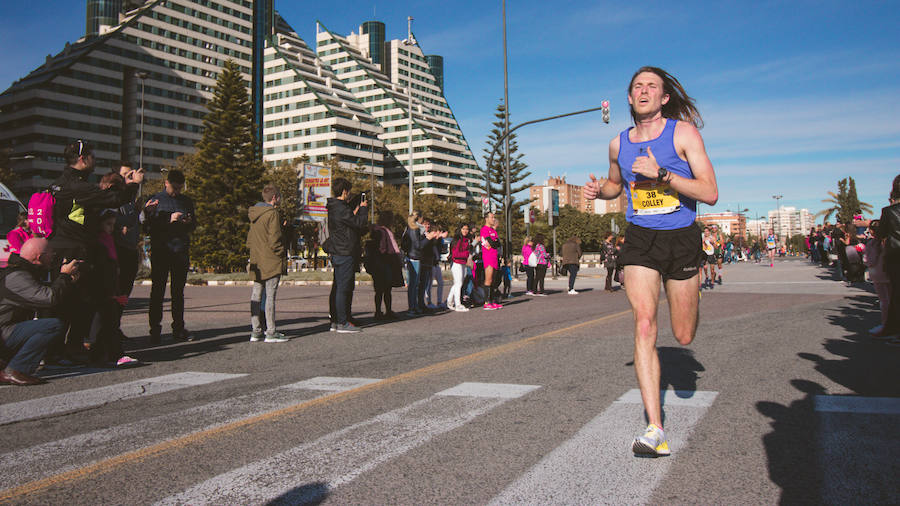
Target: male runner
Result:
[771, 244]
[709, 259]
[718, 250]
[663, 161]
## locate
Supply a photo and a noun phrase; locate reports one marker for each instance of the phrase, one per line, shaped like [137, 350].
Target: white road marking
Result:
[857, 448]
[55, 457]
[596, 465]
[74, 401]
[308, 472]
[854, 404]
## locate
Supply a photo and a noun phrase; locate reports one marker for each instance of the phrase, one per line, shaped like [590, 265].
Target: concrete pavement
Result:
[782, 398]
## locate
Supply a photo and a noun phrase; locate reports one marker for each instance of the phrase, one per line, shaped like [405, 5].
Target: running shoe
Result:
[541, 294]
[488, 306]
[497, 306]
[461, 308]
[255, 337]
[333, 327]
[771, 265]
[529, 292]
[126, 360]
[348, 328]
[573, 292]
[652, 443]
[876, 329]
[719, 280]
[276, 337]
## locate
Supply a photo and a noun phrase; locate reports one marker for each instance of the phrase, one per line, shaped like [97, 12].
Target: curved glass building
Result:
[375, 30]
[436, 64]
[101, 13]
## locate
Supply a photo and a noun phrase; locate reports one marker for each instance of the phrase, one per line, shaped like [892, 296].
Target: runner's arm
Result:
[613, 186]
[702, 187]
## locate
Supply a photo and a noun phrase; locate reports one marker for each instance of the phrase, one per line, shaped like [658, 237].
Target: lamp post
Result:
[507, 202]
[506, 134]
[778, 212]
[142, 76]
[410, 41]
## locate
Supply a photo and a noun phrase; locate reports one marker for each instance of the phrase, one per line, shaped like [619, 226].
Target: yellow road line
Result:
[107, 465]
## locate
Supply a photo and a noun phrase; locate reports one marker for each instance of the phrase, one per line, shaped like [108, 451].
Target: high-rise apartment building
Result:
[309, 111]
[140, 78]
[572, 195]
[386, 77]
[137, 84]
[788, 221]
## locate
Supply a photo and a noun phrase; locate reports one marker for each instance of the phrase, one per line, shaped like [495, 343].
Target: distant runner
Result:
[771, 245]
[709, 259]
[664, 164]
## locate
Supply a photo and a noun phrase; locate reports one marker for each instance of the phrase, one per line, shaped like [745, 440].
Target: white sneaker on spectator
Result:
[461, 309]
[573, 292]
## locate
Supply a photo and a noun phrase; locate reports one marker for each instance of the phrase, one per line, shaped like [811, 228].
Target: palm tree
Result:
[844, 204]
[834, 206]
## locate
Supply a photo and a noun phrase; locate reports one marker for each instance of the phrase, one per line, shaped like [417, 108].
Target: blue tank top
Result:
[651, 204]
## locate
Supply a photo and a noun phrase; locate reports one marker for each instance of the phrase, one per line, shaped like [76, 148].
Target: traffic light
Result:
[605, 110]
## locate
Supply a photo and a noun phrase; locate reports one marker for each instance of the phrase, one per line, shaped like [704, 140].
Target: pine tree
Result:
[853, 203]
[497, 172]
[228, 176]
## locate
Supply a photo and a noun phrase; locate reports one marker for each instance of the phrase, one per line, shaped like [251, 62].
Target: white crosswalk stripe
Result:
[856, 432]
[341, 456]
[74, 401]
[59, 456]
[596, 466]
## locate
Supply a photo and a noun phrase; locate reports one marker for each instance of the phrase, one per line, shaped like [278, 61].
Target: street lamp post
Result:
[142, 76]
[778, 212]
[507, 202]
[410, 41]
[520, 125]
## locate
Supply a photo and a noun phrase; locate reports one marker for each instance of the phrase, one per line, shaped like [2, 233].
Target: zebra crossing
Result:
[577, 471]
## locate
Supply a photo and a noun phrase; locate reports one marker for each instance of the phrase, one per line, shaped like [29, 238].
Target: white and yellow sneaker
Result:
[652, 443]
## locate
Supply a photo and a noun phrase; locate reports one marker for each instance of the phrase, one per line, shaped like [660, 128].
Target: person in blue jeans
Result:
[346, 222]
[25, 340]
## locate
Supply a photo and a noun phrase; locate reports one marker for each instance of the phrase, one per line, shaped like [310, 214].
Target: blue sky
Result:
[795, 95]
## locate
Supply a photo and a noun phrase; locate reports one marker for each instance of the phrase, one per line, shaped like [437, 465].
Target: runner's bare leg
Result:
[642, 287]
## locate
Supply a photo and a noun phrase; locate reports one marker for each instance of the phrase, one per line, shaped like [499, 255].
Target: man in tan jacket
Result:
[267, 263]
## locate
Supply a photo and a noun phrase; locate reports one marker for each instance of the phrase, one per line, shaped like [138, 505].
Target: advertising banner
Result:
[314, 190]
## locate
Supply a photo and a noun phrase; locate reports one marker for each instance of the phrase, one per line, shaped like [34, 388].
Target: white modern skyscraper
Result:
[383, 76]
[309, 111]
[788, 221]
[173, 50]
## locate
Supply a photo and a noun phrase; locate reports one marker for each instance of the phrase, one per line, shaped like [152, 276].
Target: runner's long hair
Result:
[680, 105]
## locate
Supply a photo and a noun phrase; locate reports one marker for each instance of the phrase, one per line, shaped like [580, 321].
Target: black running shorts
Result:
[675, 254]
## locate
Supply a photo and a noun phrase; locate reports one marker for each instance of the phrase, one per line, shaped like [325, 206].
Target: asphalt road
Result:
[782, 398]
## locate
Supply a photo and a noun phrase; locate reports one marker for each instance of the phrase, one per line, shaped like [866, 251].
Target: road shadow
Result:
[797, 455]
[311, 493]
[792, 448]
[860, 363]
[679, 370]
[215, 339]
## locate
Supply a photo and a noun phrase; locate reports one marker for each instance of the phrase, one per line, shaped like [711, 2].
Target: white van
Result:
[10, 207]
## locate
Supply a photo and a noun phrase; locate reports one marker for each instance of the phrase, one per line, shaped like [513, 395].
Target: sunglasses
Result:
[81, 148]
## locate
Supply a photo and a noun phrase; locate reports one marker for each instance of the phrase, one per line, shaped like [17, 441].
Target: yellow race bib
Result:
[652, 197]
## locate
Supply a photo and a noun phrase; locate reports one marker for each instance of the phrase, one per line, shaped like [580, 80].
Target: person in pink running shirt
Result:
[490, 256]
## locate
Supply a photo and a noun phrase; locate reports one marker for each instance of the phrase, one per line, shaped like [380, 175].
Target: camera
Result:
[362, 196]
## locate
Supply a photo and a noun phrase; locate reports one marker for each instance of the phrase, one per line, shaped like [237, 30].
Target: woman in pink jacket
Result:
[17, 236]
